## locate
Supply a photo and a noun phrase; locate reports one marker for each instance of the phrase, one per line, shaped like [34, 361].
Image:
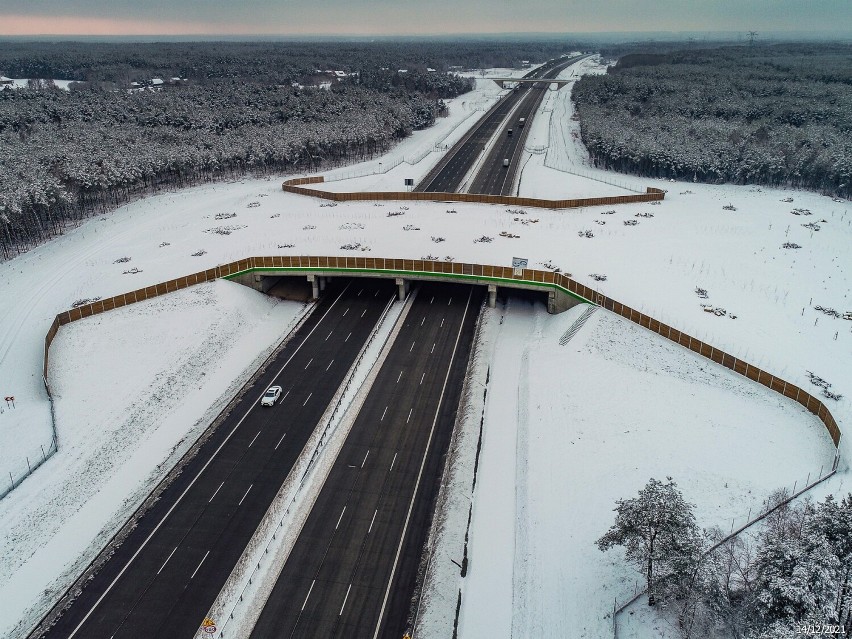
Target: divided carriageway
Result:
[352, 571]
[165, 576]
[493, 178]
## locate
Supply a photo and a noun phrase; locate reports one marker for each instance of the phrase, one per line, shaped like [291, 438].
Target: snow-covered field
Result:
[688, 241]
[570, 429]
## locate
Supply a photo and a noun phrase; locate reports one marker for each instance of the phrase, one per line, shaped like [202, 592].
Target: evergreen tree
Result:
[658, 531]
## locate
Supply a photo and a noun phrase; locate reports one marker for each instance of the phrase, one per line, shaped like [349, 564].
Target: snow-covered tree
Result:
[658, 532]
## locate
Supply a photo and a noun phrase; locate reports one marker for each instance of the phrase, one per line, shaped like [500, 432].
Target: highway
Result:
[493, 178]
[165, 576]
[353, 568]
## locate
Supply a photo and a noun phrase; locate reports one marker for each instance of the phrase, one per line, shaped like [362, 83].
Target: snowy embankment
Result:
[570, 429]
[133, 388]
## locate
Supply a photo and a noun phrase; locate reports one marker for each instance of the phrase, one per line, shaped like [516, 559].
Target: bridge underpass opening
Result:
[310, 285]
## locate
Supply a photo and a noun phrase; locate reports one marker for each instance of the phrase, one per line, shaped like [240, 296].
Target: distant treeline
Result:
[239, 109]
[776, 115]
[67, 154]
[267, 62]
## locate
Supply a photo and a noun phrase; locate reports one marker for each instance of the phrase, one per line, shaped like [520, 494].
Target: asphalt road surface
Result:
[493, 178]
[352, 571]
[163, 579]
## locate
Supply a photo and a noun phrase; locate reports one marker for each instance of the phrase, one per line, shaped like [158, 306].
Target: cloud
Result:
[131, 17]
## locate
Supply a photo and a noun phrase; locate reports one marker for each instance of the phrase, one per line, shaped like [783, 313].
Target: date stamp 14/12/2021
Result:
[813, 630]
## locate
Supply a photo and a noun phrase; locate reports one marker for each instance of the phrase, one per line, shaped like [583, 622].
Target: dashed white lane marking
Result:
[217, 490]
[345, 312]
[285, 395]
[199, 564]
[383, 414]
[359, 293]
[410, 410]
[166, 561]
[393, 461]
[309, 594]
[344, 600]
[364, 461]
[309, 363]
[279, 441]
[370, 529]
[450, 302]
[376, 294]
[329, 365]
[195, 479]
[246, 494]
[364, 312]
[433, 349]
[442, 322]
[412, 346]
[347, 337]
[339, 519]
[399, 377]
[309, 396]
[422, 321]
[252, 439]
[329, 335]
[420, 472]
[432, 300]
[421, 377]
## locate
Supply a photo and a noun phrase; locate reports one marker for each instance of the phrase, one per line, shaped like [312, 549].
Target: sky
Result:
[416, 17]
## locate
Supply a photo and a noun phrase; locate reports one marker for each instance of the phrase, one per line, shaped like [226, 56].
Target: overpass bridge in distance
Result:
[501, 82]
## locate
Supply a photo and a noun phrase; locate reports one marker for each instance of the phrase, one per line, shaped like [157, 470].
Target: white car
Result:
[270, 396]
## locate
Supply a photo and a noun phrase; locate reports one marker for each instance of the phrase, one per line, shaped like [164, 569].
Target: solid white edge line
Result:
[420, 472]
[309, 594]
[252, 406]
[199, 564]
[340, 614]
[167, 560]
[339, 519]
[246, 495]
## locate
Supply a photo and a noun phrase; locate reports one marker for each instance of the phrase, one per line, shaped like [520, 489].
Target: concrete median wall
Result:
[563, 292]
[297, 185]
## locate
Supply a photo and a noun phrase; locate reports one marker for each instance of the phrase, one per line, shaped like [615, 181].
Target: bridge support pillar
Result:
[558, 301]
[402, 287]
[322, 281]
[492, 295]
[315, 290]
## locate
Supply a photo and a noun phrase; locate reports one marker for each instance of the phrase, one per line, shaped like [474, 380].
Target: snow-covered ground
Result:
[133, 390]
[687, 241]
[22, 83]
[570, 429]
